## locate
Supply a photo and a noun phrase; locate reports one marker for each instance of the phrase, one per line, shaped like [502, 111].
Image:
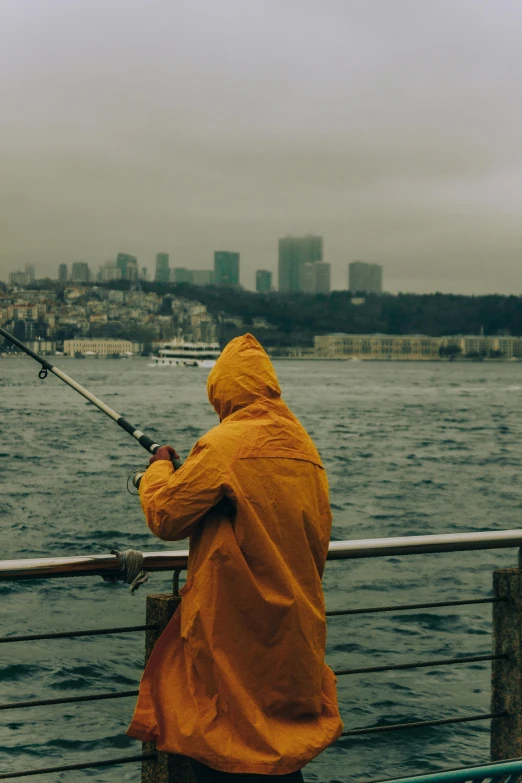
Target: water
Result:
[409, 449]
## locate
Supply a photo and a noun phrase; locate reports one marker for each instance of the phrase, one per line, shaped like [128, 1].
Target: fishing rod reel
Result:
[134, 478]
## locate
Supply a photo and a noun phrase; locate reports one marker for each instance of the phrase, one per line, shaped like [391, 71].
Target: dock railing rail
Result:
[506, 654]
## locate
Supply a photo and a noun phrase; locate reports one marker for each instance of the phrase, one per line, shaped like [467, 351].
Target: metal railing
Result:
[505, 771]
[110, 565]
[107, 565]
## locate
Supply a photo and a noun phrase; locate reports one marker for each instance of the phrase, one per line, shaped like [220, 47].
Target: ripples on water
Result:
[409, 449]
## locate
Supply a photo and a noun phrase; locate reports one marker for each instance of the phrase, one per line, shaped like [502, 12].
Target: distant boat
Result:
[178, 353]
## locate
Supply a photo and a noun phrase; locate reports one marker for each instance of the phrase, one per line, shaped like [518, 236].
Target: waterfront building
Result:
[42, 346]
[414, 347]
[314, 278]
[363, 277]
[80, 272]
[101, 346]
[263, 281]
[376, 346]
[226, 267]
[162, 268]
[63, 273]
[293, 253]
[203, 276]
[19, 278]
[477, 345]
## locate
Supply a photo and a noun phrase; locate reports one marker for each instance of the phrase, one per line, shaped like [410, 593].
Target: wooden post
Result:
[166, 767]
[506, 674]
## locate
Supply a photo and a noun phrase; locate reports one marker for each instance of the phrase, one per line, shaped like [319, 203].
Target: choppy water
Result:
[409, 449]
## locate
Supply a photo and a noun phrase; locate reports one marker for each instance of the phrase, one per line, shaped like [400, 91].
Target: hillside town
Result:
[107, 321]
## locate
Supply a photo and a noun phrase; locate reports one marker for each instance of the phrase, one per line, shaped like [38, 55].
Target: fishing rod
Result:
[147, 443]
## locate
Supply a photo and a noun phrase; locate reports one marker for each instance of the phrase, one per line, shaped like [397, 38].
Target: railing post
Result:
[506, 673]
[165, 768]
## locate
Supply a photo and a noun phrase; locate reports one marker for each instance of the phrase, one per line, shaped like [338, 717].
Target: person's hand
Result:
[164, 453]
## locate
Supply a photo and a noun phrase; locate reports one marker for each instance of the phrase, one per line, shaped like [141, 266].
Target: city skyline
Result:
[398, 141]
[319, 282]
[163, 271]
[300, 269]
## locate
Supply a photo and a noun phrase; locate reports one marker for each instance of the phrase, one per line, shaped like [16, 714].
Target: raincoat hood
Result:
[242, 375]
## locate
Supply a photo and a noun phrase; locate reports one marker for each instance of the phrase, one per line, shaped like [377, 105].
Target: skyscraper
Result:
[315, 278]
[123, 260]
[80, 272]
[162, 268]
[226, 268]
[29, 268]
[19, 278]
[109, 271]
[364, 278]
[263, 281]
[293, 253]
[131, 272]
[63, 273]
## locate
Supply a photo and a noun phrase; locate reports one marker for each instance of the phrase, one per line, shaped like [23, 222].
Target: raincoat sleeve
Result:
[175, 501]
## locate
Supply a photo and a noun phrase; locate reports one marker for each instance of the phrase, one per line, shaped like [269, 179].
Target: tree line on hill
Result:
[295, 318]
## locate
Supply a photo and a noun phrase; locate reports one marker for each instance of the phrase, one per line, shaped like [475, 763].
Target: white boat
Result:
[178, 353]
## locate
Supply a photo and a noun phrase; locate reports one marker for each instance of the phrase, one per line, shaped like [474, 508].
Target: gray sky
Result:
[392, 127]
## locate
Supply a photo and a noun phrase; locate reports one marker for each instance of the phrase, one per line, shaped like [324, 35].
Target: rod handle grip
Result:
[138, 476]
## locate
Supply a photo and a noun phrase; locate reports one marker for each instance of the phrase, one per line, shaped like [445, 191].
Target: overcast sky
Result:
[391, 127]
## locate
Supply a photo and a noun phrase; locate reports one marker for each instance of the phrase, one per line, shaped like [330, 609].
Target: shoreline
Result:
[274, 357]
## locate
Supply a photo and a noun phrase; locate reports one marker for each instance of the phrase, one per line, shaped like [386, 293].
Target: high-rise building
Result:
[323, 277]
[315, 277]
[109, 271]
[144, 273]
[29, 268]
[131, 273]
[364, 278]
[80, 272]
[226, 268]
[123, 260]
[202, 276]
[19, 278]
[63, 273]
[293, 253]
[263, 281]
[162, 268]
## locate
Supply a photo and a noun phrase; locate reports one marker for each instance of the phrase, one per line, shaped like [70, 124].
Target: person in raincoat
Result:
[237, 681]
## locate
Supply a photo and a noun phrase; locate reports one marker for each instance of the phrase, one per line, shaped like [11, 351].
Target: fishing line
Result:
[20, 356]
[16, 356]
[46, 367]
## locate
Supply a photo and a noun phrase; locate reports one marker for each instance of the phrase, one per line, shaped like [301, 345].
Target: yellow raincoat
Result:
[238, 680]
